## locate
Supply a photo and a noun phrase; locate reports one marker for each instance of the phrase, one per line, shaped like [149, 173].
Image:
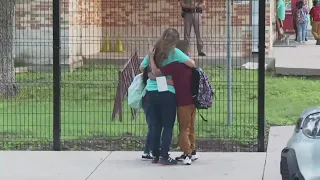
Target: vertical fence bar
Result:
[56, 76]
[261, 76]
[229, 75]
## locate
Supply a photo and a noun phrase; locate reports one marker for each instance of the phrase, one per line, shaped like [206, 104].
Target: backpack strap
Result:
[202, 116]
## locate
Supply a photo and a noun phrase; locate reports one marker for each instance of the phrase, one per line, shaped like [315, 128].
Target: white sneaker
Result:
[194, 157]
[146, 156]
[187, 160]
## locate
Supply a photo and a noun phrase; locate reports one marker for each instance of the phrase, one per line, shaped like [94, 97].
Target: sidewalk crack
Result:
[98, 165]
[264, 166]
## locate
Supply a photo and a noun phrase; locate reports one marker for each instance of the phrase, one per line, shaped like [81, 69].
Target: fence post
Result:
[56, 76]
[261, 76]
[229, 59]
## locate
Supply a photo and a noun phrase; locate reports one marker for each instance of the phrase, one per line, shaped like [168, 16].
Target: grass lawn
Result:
[88, 97]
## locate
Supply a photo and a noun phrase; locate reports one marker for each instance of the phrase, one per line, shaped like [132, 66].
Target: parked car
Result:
[300, 160]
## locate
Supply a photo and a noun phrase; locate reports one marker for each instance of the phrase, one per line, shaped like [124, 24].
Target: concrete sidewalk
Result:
[21, 165]
[278, 138]
[101, 165]
[300, 60]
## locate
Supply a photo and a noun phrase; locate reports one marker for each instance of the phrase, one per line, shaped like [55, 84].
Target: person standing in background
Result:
[191, 13]
[295, 21]
[281, 15]
[307, 9]
[301, 21]
[315, 21]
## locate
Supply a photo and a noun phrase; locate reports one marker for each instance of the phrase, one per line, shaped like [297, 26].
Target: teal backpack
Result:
[136, 92]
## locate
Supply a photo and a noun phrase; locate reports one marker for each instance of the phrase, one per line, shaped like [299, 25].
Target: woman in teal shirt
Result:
[163, 103]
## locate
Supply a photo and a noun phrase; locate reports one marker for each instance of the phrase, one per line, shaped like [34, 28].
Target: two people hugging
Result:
[167, 75]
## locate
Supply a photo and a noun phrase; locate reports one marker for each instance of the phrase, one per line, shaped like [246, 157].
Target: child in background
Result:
[315, 21]
[181, 76]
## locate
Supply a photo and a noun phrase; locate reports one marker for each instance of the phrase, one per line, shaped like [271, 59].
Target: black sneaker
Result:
[194, 156]
[167, 161]
[155, 159]
[181, 158]
[146, 156]
[201, 54]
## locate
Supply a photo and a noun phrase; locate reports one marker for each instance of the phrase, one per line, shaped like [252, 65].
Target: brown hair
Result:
[165, 44]
[145, 75]
[300, 5]
[183, 45]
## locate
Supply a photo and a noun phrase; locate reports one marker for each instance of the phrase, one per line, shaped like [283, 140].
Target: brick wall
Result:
[86, 23]
[131, 20]
[33, 32]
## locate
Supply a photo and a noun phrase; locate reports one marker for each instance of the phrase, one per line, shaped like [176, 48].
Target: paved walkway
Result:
[126, 166]
[278, 138]
[304, 59]
[89, 165]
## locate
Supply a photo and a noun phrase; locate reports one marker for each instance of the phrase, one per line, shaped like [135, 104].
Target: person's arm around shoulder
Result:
[190, 63]
[181, 57]
[169, 69]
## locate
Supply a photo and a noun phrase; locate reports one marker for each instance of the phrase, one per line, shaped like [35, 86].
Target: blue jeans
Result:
[148, 145]
[163, 109]
[306, 30]
[302, 28]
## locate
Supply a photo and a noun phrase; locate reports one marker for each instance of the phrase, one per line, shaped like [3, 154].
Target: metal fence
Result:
[65, 67]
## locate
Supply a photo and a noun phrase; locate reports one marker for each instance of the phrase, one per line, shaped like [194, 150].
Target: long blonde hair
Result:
[165, 44]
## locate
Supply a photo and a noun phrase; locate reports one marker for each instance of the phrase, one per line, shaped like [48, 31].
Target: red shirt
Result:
[315, 13]
[181, 76]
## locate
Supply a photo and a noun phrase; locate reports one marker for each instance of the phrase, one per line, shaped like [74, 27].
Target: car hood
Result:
[308, 155]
